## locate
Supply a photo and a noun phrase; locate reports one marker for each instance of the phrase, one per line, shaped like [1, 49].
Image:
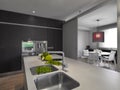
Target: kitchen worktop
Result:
[90, 77]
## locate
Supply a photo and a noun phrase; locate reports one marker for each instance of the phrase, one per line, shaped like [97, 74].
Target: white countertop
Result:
[90, 77]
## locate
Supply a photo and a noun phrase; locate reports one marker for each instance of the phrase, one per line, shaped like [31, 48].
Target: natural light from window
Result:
[110, 38]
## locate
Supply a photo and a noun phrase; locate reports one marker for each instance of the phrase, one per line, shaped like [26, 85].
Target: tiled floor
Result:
[105, 65]
[12, 82]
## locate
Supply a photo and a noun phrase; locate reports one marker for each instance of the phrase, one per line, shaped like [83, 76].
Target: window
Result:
[110, 38]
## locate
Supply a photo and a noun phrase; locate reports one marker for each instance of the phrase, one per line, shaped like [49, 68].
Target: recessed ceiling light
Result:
[33, 11]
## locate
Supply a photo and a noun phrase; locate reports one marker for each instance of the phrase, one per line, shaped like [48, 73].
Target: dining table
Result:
[100, 54]
[105, 53]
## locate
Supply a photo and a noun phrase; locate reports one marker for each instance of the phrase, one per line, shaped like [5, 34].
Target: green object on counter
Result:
[43, 69]
[53, 62]
[45, 55]
[48, 57]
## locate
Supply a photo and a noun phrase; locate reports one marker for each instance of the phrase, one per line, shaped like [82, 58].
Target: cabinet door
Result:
[50, 39]
[57, 40]
[37, 34]
[54, 38]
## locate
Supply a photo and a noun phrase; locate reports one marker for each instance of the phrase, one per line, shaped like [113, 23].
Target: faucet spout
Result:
[60, 52]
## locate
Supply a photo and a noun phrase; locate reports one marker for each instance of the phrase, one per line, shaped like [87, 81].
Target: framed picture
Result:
[98, 36]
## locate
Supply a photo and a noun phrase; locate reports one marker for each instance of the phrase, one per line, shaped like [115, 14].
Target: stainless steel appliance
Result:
[33, 47]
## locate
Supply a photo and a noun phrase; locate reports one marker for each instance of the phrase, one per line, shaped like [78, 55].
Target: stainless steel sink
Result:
[55, 81]
[33, 69]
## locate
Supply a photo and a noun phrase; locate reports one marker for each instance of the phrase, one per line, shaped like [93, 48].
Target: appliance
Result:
[33, 47]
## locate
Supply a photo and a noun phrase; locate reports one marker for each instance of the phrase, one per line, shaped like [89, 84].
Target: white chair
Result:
[93, 57]
[97, 51]
[85, 54]
[110, 58]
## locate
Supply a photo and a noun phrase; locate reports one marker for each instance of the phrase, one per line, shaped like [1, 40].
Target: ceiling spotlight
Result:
[33, 11]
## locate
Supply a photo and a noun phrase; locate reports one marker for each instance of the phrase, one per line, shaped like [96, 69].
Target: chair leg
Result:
[101, 62]
[108, 64]
[98, 62]
[115, 63]
[88, 60]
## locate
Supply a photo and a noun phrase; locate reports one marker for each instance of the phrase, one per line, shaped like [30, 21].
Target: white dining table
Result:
[105, 53]
[102, 53]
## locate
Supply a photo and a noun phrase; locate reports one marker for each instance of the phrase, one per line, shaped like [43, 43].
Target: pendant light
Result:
[98, 36]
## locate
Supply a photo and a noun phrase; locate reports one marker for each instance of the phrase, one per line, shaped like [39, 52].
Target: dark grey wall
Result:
[70, 38]
[118, 25]
[14, 28]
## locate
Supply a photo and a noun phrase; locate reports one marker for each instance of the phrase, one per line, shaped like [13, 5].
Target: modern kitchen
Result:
[42, 44]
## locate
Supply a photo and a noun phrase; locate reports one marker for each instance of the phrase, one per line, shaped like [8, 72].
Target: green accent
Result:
[53, 62]
[49, 60]
[45, 56]
[48, 57]
[43, 69]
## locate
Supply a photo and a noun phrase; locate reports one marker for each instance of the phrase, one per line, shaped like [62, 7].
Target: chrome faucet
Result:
[63, 63]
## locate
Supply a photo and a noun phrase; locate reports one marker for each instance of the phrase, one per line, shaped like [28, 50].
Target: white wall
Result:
[110, 38]
[70, 38]
[83, 41]
[102, 28]
[93, 45]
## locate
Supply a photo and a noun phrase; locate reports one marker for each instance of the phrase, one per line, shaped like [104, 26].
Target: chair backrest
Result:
[93, 56]
[112, 56]
[85, 53]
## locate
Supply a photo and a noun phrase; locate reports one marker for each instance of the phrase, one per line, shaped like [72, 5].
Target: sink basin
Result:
[33, 69]
[55, 81]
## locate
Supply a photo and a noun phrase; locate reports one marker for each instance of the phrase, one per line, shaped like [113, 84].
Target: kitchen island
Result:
[90, 77]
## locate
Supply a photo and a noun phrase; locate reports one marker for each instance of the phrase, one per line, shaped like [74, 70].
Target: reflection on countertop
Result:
[90, 77]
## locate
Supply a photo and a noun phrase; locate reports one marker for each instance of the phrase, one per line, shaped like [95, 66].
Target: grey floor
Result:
[101, 64]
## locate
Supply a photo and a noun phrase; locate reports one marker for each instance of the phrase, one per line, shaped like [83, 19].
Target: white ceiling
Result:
[107, 15]
[56, 9]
